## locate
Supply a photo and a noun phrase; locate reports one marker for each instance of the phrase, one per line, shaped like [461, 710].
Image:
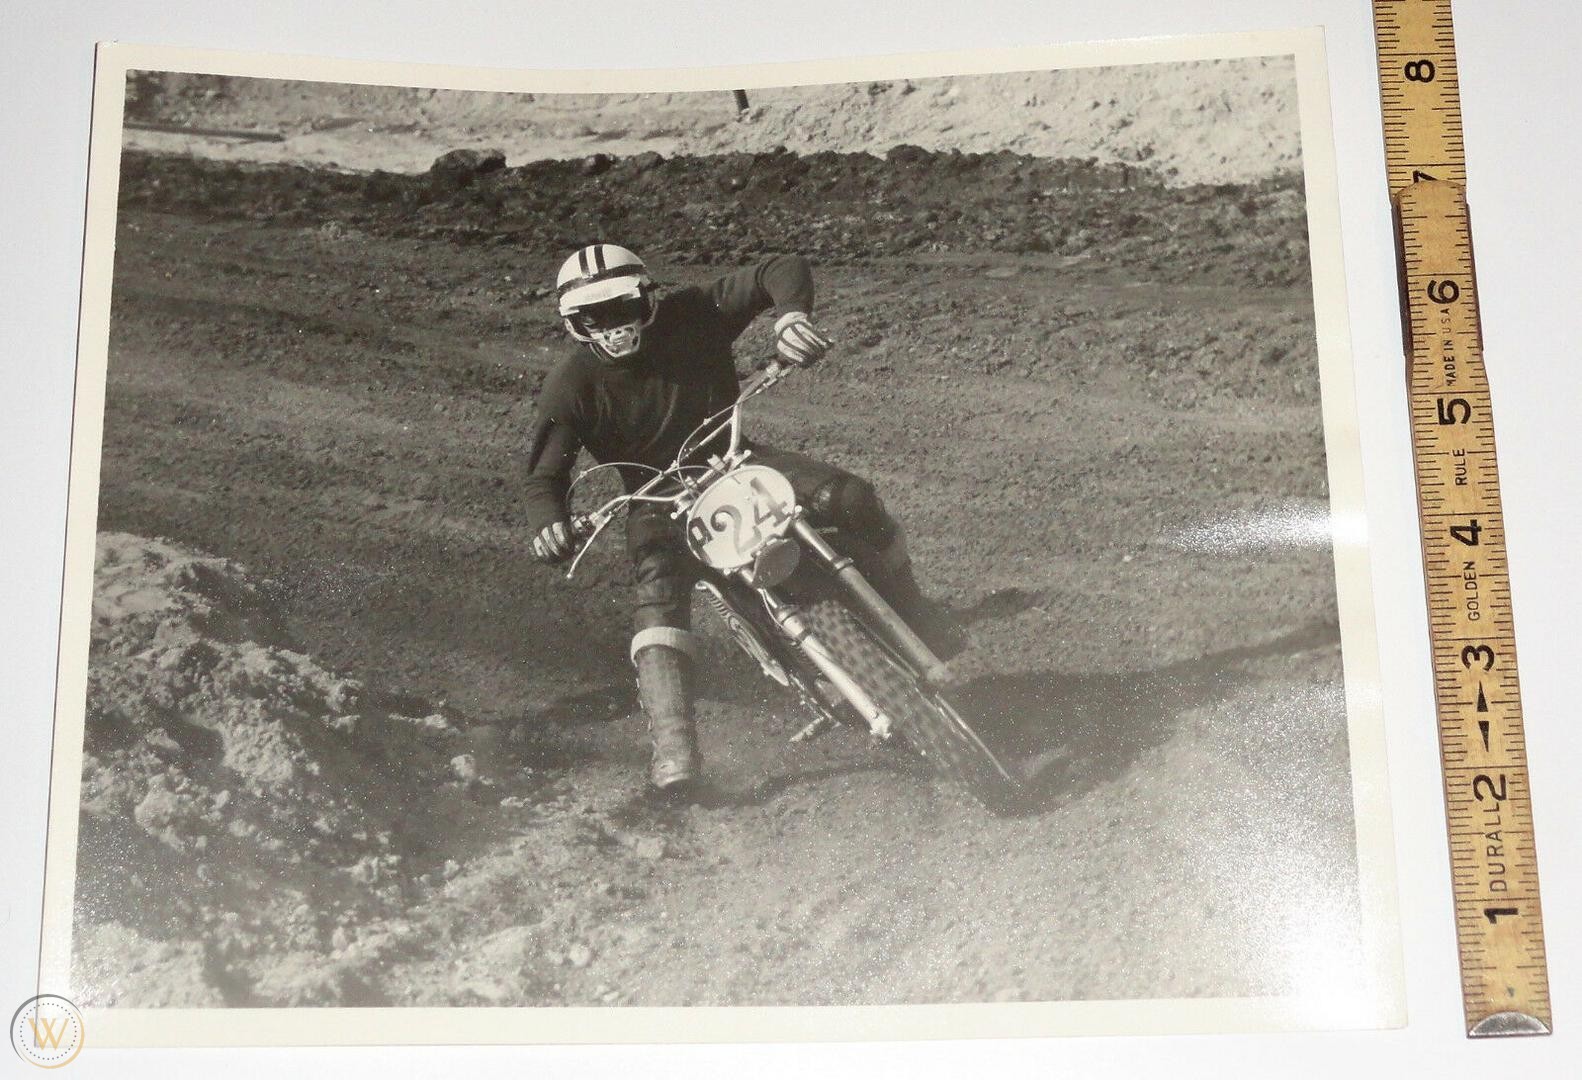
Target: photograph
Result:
[878, 533]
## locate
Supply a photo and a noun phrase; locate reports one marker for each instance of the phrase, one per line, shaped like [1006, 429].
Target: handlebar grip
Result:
[582, 524]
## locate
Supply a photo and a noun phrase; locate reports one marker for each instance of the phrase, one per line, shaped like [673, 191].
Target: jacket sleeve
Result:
[551, 454]
[781, 282]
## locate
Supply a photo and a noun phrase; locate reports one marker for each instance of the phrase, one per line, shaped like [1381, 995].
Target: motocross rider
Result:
[646, 371]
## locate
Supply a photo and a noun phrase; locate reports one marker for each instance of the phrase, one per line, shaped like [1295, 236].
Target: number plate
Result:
[740, 513]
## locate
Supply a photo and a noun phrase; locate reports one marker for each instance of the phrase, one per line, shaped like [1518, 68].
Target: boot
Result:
[664, 686]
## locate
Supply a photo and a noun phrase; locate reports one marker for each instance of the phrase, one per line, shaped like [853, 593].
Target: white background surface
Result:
[1520, 92]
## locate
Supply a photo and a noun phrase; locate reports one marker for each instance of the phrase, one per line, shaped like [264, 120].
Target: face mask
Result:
[619, 341]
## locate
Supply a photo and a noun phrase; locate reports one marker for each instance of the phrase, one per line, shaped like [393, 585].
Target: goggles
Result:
[610, 314]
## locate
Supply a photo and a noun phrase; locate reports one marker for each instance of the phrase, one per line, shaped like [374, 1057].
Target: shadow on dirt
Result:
[771, 786]
[1068, 733]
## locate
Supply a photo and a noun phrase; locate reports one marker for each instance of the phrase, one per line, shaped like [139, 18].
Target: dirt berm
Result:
[831, 207]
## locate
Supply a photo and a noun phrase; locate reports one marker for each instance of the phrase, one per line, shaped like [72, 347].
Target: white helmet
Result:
[606, 298]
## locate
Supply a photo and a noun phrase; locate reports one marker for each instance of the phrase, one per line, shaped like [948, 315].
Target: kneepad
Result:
[850, 502]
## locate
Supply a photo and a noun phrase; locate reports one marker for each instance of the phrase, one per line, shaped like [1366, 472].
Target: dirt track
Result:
[1075, 443]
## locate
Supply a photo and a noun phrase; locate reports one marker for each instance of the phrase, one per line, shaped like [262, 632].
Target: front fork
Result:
[795, 627]
[912, 647]
[789, 617]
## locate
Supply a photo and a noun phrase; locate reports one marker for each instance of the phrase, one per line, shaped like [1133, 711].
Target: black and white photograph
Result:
[879, 540]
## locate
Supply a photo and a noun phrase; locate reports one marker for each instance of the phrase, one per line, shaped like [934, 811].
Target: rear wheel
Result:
[925, 719]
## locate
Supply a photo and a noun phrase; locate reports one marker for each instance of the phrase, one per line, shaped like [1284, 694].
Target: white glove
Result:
[554, 543]
[798, 341]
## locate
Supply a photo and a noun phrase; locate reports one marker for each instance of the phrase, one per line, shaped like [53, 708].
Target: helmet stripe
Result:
[582, 260]
[639, 278]
[598, 257]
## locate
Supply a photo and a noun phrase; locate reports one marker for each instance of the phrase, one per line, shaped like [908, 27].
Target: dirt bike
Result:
[797, 602]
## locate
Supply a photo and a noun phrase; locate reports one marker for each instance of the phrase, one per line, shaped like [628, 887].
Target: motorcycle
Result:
[797, 602]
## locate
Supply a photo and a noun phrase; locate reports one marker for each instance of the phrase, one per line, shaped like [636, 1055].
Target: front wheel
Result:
[926, 720]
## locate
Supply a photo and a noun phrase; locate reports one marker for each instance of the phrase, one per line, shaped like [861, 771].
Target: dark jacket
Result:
[641, 409]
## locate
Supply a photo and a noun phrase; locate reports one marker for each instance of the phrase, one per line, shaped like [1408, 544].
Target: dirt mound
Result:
[203, 723]
[832, 207]
[218, 755]
[1193, 122]
[259, 830]
[1216, 121]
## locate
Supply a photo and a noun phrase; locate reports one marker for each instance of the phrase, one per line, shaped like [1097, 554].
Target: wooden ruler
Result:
[1494, 866]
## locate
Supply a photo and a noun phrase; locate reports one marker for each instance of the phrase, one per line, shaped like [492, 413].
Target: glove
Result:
[798, 341]
[554, 543]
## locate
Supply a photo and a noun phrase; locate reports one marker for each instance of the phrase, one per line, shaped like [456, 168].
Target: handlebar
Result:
[587, 526]
[767, 376]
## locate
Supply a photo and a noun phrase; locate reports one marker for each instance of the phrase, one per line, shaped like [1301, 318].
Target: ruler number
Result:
[1443, 292]
[1468, 533]
[1419, 70]
[1484, 780]
[1419, 175]
[1457, 410]
[1493, 913]
[1477, 652]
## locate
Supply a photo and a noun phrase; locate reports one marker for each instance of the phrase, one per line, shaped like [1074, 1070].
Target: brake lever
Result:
[589, 526]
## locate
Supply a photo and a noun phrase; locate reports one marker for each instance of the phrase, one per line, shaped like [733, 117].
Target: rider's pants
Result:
[832, 497]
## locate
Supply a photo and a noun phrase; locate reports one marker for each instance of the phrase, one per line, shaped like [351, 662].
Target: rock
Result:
[465, 767]
[159, 810]
[160, 739]
[345, 693]
[467, 163]
[594, 164]
[906, 154]
[646, 161]
[434, 724]
[579, 955]
[649, 847]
